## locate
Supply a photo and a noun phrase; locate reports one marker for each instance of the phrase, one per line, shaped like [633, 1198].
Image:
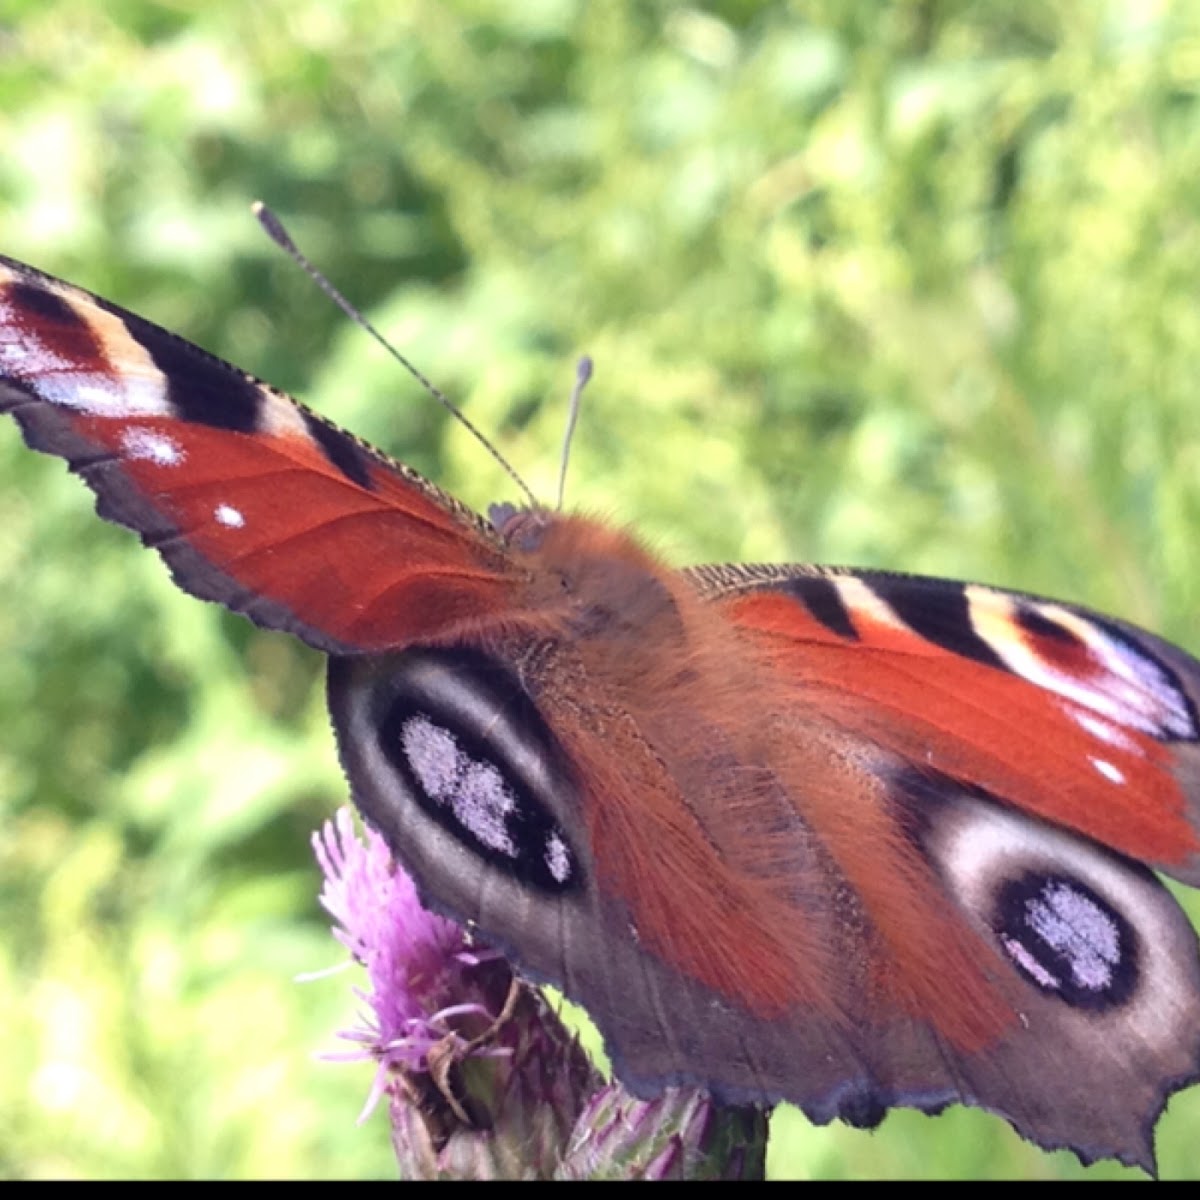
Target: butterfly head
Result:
[521, 528]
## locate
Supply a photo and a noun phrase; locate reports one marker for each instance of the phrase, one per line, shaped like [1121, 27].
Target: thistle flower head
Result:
[481, 1078]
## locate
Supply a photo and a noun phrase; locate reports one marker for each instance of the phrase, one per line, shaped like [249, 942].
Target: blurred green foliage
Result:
[895, 284]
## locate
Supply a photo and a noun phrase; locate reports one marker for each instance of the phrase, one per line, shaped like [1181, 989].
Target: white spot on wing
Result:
[475, 791]
[558, 858]
[1108, 770]
[433, 754]
[229, 516]
[1103, 729]
[1071, 924]
[152, 446]
[481, 804]
[1030, 964]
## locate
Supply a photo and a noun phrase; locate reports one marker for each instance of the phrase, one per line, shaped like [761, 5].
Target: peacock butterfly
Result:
[849, 839]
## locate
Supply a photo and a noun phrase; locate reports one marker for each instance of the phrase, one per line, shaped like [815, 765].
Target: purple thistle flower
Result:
[413, 958]
[482, 1080]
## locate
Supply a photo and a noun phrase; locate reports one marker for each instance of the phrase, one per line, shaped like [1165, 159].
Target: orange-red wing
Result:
[253, 500]
[1080, 719]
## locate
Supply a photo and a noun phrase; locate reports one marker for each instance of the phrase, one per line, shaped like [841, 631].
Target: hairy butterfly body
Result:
[851, 840]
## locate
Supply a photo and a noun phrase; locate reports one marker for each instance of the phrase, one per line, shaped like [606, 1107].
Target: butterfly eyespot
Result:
[475, 799]
[1067, 940]
[463, 745]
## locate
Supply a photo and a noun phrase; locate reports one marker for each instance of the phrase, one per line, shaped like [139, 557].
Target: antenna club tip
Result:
[583, 368]
[273, 226]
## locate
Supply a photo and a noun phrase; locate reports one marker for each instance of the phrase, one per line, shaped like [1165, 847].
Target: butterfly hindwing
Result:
[253, 500]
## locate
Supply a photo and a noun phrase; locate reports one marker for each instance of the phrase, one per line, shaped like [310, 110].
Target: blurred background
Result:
[906, 285]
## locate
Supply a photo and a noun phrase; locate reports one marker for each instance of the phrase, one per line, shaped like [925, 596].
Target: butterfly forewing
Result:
[254, 501]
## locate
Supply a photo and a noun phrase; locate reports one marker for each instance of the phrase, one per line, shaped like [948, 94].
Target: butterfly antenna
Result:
[280, 236]
[583, 372]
